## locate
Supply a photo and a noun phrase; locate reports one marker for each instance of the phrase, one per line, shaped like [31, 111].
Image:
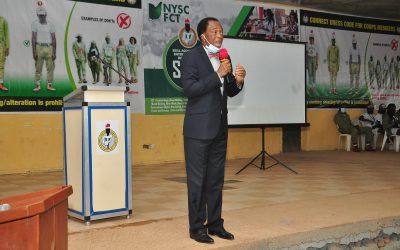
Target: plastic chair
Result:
[396, 142]
[375, 139]
[347, 141]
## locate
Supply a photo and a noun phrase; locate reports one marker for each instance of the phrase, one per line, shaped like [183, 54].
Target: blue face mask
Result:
[211, 48]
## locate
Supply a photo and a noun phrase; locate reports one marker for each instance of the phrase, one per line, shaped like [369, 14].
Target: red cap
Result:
[187, 20]
[108, 125]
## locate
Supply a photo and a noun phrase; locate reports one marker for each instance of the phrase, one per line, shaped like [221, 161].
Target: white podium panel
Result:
[97, 153]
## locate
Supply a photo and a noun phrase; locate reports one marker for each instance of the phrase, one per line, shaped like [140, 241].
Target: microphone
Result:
[223, 54]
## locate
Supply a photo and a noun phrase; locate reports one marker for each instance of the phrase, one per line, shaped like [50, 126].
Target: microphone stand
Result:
[107, 65]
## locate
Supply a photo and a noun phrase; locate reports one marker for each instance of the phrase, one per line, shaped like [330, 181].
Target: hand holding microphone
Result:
[240, 72]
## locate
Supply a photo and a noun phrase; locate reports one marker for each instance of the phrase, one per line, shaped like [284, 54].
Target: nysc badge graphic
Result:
[107, 139]
[187, 35]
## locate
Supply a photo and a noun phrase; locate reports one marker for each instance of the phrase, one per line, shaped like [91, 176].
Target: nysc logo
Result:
[107, 139]
[168, 12]
[187, 35]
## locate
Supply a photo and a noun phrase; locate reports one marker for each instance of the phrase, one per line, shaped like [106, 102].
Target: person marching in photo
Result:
[4, 50]
[79, 51]
[207, 82]
[133, 58]
[43, 48]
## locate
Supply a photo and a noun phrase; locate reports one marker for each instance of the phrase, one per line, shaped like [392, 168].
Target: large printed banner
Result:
[169, 30]
[351, 61]
[50, 48]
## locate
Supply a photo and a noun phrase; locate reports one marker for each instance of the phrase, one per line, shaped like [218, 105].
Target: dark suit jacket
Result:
[206, 105]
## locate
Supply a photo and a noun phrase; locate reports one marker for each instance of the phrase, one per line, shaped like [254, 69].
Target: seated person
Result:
[373, 121]
[390, 122]
[345, 126]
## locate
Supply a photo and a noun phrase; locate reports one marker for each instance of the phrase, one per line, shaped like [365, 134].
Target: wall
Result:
[33, 142]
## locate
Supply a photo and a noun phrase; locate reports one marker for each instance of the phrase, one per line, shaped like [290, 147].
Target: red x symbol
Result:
[394, 44]
[124, 20]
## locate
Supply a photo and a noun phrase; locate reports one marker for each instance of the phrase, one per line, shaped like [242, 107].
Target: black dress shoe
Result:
[222, 234]
[201, 236]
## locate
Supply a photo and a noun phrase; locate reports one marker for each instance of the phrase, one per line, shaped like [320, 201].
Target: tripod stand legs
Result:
[250, 163]
[263, 155]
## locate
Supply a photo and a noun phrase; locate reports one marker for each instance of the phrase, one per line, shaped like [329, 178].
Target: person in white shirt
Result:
[44, 48]
[269, 25]
[373, 121]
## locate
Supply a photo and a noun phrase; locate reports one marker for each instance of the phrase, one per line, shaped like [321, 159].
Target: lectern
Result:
[36, 220]
[97, 150]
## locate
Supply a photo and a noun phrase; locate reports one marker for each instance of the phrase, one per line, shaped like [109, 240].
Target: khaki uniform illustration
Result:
[122, 60]
[133, 58]
[94, 61]
[397, 71]
[392, 74]
[4, 50]
[378, 74]
[312, 62]
[354, 64]
[371, 72]
[79, 51]
[107, 54]
[385, 72]
[333, 64]
[44, 48]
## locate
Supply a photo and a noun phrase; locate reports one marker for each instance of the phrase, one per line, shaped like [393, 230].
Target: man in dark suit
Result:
[207, 82]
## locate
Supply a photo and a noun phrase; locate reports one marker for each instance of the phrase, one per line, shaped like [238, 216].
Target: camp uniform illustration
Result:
[4, 49]
[79, 51]
[94, 61]
[312, 61]
[133, 58]
[107, 54]
[333, 59]
[43, 47]
[354, 64]
[122, 60]
[371, 72]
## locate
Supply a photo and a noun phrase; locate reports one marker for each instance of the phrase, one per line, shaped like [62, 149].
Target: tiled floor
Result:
[159, 191]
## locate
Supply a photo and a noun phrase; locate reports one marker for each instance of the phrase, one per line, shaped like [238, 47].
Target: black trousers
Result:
[205, 170]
